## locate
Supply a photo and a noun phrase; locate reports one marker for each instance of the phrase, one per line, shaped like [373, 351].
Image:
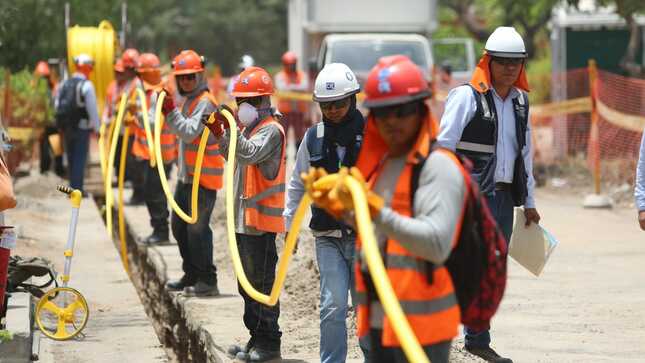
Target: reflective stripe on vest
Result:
[213, 163]
[263, 200]
[430, 308]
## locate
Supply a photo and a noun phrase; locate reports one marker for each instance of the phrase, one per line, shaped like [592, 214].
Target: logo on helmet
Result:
[329, 86]
[182, 62]
[383, 81]
[245, 81]
[265, 79]
[349, 76]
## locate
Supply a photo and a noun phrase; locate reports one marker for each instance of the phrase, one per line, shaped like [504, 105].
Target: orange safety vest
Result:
[263, 199]
[168, 140]
[430, 308]
[286, 105]
[213, 162]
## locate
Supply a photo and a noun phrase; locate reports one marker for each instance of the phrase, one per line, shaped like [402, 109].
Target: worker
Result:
[639, 187]
[487, 121]
[112, 99]
[416, 224]
[150, 74]
[48, 151]
[330, 144]
[77, 117]
[294, 112]
[259, 189]
[134, 166]
[195, 241]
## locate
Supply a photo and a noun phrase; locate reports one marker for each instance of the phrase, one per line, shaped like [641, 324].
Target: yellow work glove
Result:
[341, 192]
[320, 194]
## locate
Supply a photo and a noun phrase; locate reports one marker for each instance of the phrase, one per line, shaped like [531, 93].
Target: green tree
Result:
[628, 9]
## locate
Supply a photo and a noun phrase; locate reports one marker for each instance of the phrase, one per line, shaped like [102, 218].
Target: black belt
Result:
[503, 187]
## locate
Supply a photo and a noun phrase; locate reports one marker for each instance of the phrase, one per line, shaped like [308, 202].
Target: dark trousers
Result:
[502, 207]
[155, 197]
[77, 144]
[47, 156]
[259, 258]
[195, 241]
[437, 353]
[136, 169]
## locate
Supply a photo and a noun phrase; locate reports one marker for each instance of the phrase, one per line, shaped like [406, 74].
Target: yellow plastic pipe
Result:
[102, 158]
[109, 194]
[120, 180]
[146, 126]
[192, 218]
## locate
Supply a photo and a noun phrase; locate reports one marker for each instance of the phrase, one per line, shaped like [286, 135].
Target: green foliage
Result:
[5, 336]
[30, 99]
[223, 30]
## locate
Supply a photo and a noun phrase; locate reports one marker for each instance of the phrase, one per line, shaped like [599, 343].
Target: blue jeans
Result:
[501, 206]
[77, 145]
[195, 241]
[335, 257]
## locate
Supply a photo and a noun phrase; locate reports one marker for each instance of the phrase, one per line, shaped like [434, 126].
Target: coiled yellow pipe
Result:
[192, 218]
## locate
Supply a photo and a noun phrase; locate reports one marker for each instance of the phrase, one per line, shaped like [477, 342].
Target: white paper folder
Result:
[530, 246]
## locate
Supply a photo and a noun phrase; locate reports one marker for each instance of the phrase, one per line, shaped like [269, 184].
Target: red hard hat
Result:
[395, 80]
[289, 58]
[42, 69]
[253, 82]
[118, 66]
[148, 62]
[130, 58]
[187, 62]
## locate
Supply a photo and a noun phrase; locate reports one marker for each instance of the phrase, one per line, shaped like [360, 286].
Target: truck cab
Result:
[362, 51]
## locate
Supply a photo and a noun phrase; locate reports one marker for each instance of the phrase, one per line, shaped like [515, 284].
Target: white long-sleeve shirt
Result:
[461, 107]
[639, 188]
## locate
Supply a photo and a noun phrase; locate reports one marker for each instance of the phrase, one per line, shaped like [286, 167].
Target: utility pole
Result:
[124, 23]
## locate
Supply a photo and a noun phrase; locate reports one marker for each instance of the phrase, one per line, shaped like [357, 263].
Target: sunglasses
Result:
[399, 111]
[186, 77]
[334, 104]
[508, 61]
[253, 101]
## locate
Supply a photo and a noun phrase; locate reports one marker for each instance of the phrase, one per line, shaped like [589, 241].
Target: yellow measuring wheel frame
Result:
[65, 312]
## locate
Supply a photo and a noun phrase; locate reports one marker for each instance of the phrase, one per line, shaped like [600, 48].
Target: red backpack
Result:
[477, 264]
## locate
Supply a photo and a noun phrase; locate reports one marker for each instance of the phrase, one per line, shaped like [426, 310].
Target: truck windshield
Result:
[362, 55]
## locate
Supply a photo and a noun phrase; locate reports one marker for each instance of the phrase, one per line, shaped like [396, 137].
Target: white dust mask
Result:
[247, 114]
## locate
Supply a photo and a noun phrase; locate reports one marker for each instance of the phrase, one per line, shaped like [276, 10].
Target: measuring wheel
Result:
[62, 313]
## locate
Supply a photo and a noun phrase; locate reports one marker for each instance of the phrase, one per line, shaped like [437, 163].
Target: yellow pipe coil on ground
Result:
[191, 219]
[100, 44]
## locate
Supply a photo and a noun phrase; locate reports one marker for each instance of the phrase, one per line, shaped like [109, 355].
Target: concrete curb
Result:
[20, 321]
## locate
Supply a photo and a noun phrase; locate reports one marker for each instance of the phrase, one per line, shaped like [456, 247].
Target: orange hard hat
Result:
[130, 58]
[395, 80]
[148, 62]
[42, 69]
[289, 58]
[187, 62]
[118, 66]
[253, 82]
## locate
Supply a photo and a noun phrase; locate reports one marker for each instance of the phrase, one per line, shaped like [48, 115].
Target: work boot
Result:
[158, 237]
[487, 354]
[237, 348]
[259, 355]
[179, 285]
[201, 289]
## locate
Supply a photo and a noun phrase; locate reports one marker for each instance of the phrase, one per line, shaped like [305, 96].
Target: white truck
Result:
[358, 32]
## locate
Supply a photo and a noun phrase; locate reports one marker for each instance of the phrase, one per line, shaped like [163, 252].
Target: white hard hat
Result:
[83, 59]
[505, 42]
[334, 82]
[246, 62]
